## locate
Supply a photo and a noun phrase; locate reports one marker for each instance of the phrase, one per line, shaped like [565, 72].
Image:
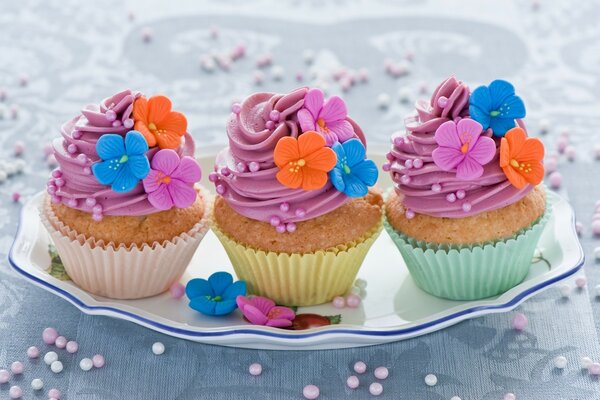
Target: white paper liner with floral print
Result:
[298, 279]
[470, 272]
[120, 272]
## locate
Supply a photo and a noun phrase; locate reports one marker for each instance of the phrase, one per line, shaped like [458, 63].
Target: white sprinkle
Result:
[560, 362]
[565, 290]
[277, 72]
[86, 364]
[597, 253]
[404, 95]
[455, 398]
[597, 290]
[158, 348]
[50, 357]
[431, 380]
[308, 55]
[56, 367]
[383, 100]
[37, 384]
[361, 283]
[585, 362]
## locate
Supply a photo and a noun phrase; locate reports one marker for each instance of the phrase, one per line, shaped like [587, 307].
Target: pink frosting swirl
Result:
[73, 184]
[427, 189]
[245, 171]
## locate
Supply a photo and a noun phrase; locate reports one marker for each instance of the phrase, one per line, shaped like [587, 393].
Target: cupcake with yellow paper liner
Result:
[467, 209]
[294, 210]
[122, 208]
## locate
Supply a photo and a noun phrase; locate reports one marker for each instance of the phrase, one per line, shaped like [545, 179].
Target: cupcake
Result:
[122, 208]
[294, 210]
[467, 208]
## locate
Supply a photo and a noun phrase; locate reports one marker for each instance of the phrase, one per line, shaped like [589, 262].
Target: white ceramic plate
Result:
[392, 309]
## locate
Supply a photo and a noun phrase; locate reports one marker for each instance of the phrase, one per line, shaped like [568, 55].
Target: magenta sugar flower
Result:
[262, 311]
[171, 179]
[461, 146]
[326, 117]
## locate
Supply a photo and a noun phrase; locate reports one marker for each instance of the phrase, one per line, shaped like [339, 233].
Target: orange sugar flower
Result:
[303, 162]
[159, 125]
[521, 158]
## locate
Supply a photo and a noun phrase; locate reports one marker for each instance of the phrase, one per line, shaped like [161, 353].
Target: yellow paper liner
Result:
[298, 279]
[120, 272]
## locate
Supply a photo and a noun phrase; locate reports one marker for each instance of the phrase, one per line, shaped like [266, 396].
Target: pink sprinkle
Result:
[177, 290]
[48, 149]
[451, 197]
[213, 177]
[409, 214]
[386, 167]
[15, 392]
[594, 369]
[376, 388]
[284, 207]
[98, 361]
[338, 302]
[300, 212]
[466, 206]
[254, 166]
[19, 148]
[110, 115]
[561, 144]
[571, 153]
[270, 125]
[360, 367]
[54, 393]
[405, 179]
[4, 376]
[220, 189]
[255, 369]
[97, 209]
[381, 373]
[274, 220]
[128, 123]
[581, 281]
[299, 76]
[407, 163]
[311, 392]
[510, 396]
[49, 335]
[280, 228]
[72, 346]
[16, 196]
[17, 368]
[97, 217]
[519, 321]
[551, 165]
[241, 167]
[436, 187]
[90, 202]
[442, 101]
[418, 163]
[596, 228]
[61, 342]
[236, 108]
[33, 352]
[353, 300]
[460, 194]
[274, 115]
[352, 382]
[147, 35]
[290, 227]
[555, 180]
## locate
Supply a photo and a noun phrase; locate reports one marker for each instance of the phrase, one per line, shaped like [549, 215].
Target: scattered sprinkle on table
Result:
[585, 362]
[352, 382]
[37, 384]
[54, 393]
[98, 361]
[455, 398]
[431, 380]
[311, 392]
[33, 352]
[510, 396]
[353, 300]
[565, 290]
[255, 369]
[338, 302]
[50, 357]
[15, 392]
[49, 335]
[375, 388]
[72, 346]
[158, 348]
[177, 290]
[381, 372]
[56, 367]
[360, 367]
[594, 369]
[560, 362]
[580, 281]
[519, 321]
[4, 376]
[17, 368]
[86, 364]
[61, 342]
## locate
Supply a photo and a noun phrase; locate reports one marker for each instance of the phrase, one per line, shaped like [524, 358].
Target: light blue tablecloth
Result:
[71, 53]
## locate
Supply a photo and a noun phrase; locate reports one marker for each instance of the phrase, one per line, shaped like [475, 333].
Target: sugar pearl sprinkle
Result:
[56, 367]
[4, 376]
[560, 362]
[86, 364]
[352, 382]
[15, 392]
[98, 361]
[381, 373]
[50, 357]
[360, 367]
[37, 384]
[431, 380]
[375, 388]
[158, 348]
[17, 368]
[311, 392]
[519, 321]
[54, 393]
[255, 369]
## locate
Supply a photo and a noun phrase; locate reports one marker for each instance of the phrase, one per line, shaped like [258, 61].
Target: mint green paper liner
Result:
[470, 272]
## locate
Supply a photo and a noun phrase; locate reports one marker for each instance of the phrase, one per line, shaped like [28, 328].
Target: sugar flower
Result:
[303, 162]
[215, 296]
[123, 162]
[496, 106]
[262, 311]
[159, 125]
[521, 158]
[326, 117]
[171, 179]
[352, 174]
[461, 146]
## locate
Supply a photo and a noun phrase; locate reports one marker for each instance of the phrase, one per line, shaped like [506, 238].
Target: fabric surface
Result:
[69, 53]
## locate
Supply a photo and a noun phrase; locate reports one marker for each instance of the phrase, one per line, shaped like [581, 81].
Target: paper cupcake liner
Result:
[121, 272]
[470, 272]
[298, 279]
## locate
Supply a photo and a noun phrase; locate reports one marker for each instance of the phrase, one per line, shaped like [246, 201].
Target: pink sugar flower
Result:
[262, 311]
[171, 179]
[461, 146]
[326, 117]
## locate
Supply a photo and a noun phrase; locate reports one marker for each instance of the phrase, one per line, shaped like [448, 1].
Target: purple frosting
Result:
[422, 185]
[245, 171]
[73, 184]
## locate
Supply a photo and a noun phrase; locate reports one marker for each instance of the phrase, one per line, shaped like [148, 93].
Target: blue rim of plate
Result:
[458, 316]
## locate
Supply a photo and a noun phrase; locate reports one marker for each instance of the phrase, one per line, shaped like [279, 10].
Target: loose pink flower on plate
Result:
[326, 117]
[262, 311]
[171, 180]
[461, 146]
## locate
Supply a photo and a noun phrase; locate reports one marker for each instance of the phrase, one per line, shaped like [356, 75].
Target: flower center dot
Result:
[152, 126]
[514, 163]
[321, 123]
[301, 162]
[217, 298]
[347, 169]
[464, 148]
[494, 113]
[123, 159]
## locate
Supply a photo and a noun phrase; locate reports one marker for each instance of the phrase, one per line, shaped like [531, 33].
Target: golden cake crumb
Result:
[342, 225]
[157, 227]
[487, 226]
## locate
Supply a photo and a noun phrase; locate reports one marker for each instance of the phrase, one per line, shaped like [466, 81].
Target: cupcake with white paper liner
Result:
[294, 210]
[467, 209]
[123, 208]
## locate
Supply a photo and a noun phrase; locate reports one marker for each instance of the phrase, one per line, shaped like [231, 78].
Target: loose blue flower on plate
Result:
[352, 174]
[215, 296]
[496, 106]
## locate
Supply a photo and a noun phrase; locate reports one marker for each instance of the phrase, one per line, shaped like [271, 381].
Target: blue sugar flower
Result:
[352, 174]
[496, 106]
[215, 296]
[123, 161]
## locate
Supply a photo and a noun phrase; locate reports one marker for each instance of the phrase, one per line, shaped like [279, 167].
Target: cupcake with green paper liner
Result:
[294, 210]
[122, 208]
[467, 209]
